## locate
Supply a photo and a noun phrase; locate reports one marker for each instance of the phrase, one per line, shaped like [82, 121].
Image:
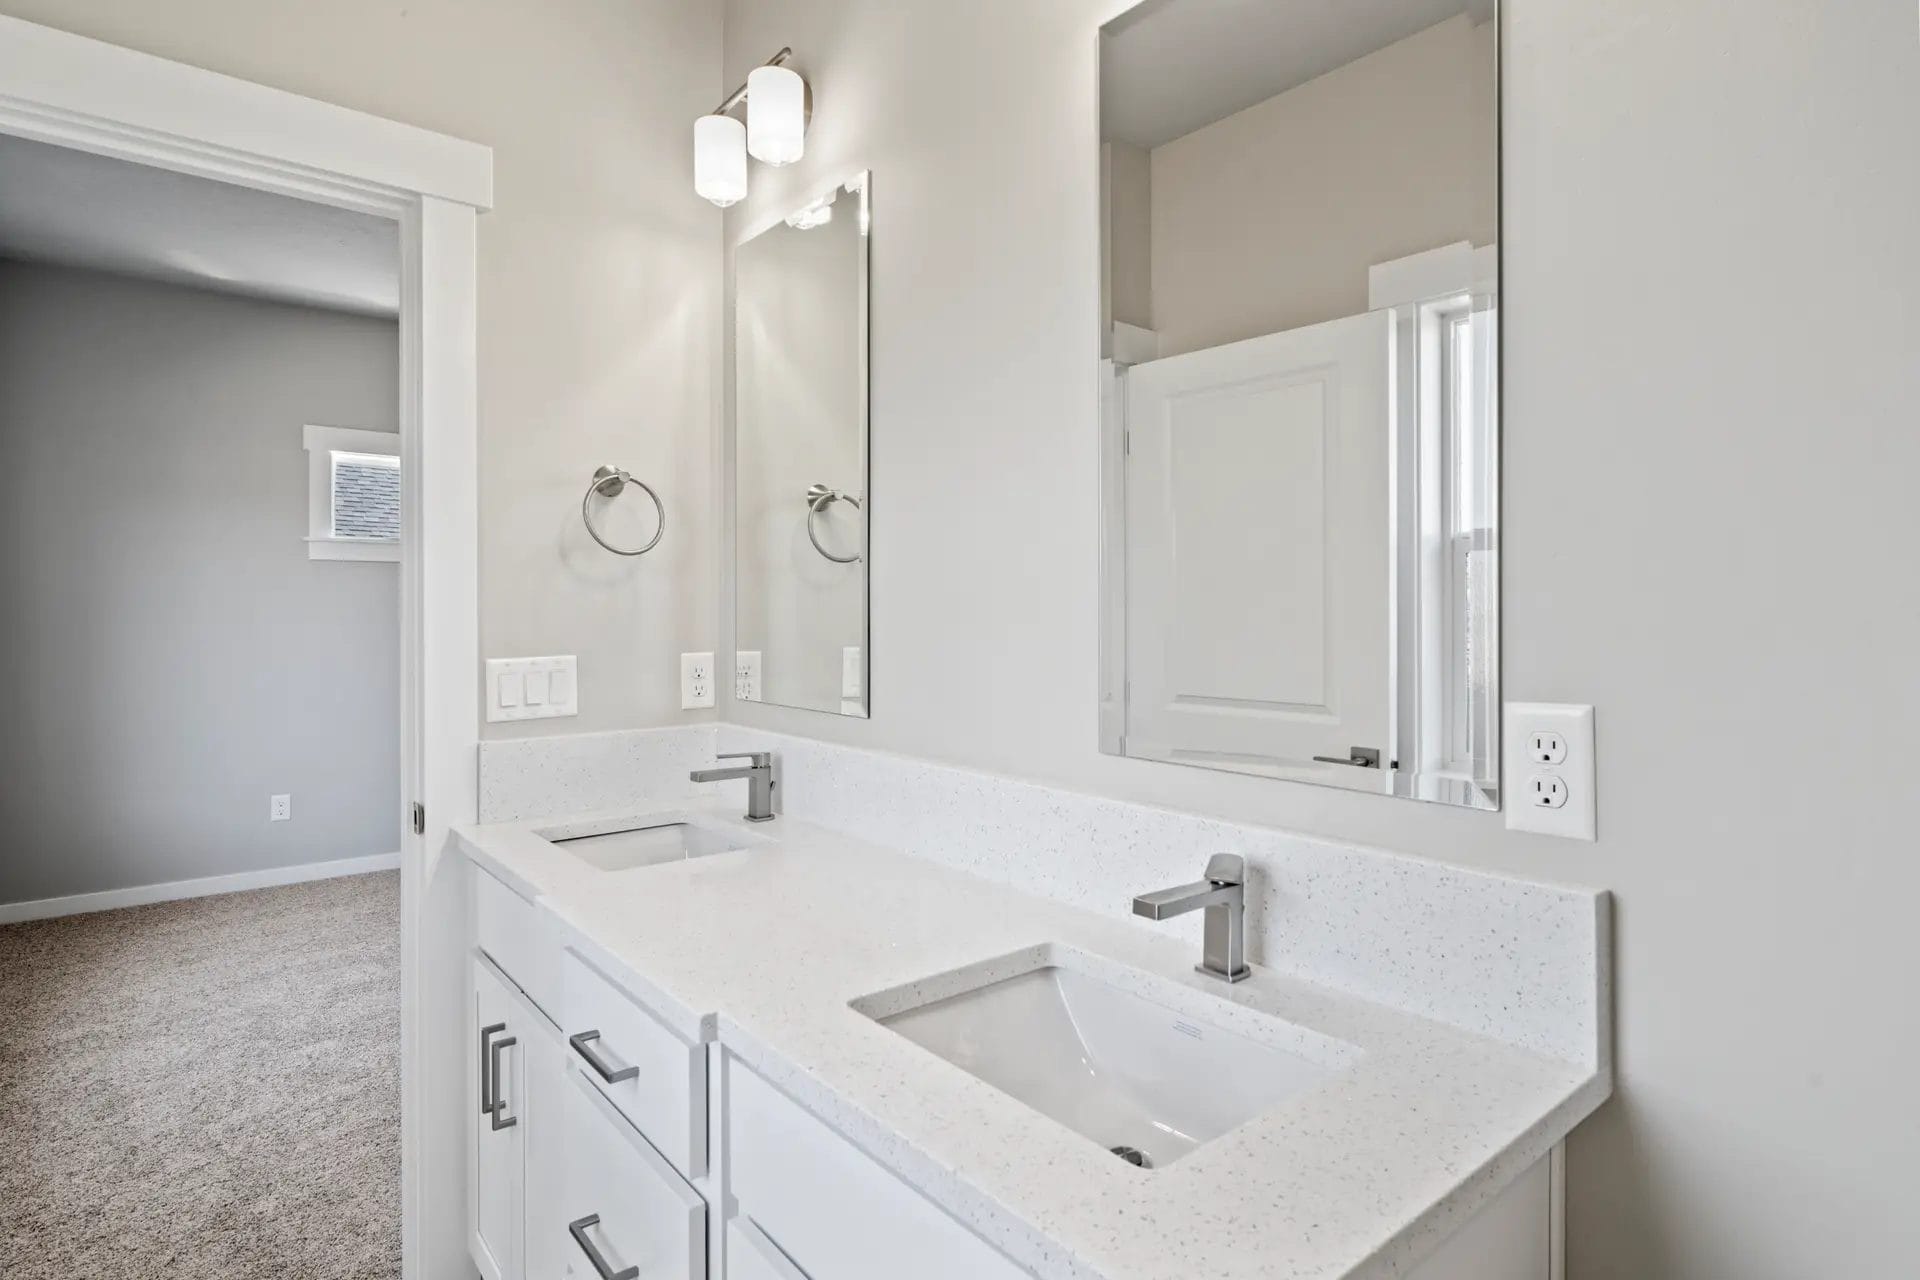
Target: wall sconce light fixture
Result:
[779, 105]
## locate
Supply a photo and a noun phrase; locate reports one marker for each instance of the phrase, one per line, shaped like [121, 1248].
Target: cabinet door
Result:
[624, 1209]
[496, 1151]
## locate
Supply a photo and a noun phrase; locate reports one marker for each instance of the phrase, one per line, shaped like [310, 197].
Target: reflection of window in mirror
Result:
[1299, 231]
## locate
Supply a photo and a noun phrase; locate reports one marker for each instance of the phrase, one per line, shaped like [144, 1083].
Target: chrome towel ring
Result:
[611, 482]
[819, 498]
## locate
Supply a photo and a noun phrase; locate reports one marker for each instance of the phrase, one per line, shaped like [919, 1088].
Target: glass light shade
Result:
[720, 159]
[776, 115]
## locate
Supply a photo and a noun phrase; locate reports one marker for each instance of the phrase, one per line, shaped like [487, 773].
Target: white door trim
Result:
[67, 90]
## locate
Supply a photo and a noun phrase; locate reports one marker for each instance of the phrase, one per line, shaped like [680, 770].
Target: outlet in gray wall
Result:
[172, 656]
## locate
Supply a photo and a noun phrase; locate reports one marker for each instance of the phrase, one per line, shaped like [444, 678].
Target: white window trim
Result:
[321, 444]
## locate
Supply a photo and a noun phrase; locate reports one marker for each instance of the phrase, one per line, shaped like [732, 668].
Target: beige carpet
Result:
[207, 1088]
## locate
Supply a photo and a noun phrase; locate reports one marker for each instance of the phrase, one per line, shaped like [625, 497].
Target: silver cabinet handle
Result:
[496, 1112]
[578, 1230]
[486, 1086]
[594, 1060]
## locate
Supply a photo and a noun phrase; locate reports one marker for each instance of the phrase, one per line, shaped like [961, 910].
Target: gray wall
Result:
[1713, 373]
[174, 658]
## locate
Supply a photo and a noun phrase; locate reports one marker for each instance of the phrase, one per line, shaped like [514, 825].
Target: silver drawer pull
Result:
[578, 1230]
[486, 1087]
[594, 1060]
[497, 1111]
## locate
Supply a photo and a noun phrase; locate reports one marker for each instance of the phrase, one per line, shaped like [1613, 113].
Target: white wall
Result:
[1390, 155]
[174, 656]
[599, 289]
[1713, 350]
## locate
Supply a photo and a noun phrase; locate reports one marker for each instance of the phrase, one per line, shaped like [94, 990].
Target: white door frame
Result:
[64, 89]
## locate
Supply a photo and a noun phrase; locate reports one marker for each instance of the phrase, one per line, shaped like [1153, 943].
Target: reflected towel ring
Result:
[819, 498]
[610, 482]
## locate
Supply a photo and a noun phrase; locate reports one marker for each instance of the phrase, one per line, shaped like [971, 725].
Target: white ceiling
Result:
[1169, 67]
[71, 207]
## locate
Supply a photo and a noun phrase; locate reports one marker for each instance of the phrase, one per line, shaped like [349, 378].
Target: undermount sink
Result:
[1133, 1062]
[622, 846]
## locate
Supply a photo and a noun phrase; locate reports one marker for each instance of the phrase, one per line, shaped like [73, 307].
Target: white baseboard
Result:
[139, 896]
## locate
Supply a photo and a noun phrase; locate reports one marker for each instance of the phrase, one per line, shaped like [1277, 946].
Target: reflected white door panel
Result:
[1257, 550]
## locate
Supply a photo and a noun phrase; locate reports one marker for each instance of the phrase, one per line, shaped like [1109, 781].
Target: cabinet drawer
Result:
[656, 1079]
[513, 934]
[622, 1205]
[835, 1213]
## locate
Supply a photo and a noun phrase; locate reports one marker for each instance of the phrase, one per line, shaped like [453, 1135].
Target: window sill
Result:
[353, 549]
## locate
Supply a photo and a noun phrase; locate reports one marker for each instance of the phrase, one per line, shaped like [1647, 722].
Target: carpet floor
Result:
[208, 1088]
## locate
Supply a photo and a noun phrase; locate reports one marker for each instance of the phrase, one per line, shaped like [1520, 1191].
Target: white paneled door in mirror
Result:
[1299, 391]
[800, 328]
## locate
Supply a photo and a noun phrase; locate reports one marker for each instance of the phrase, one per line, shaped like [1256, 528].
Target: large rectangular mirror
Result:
[800, 456]
[1300, 391]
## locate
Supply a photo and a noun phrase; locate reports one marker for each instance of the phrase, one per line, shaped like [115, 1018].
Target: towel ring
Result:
[819, 498]
[610, 482]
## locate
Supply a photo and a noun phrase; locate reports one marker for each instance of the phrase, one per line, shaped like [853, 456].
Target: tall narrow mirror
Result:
[1300, 391]
[800, 456]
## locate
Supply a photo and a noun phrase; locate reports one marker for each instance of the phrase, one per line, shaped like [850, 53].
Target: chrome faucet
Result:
[1223, 893]
[758, 771]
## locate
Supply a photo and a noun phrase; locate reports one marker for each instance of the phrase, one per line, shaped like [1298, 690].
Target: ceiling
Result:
[77, 209]
[1169, 67]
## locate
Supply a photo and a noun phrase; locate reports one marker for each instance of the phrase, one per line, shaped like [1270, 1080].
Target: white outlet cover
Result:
[696, 680]
[532, 688]
[279, 808]
[1528, 806]
[850, 671]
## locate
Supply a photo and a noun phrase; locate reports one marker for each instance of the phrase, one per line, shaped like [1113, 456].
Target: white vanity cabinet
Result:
[566, 1175]
[604, 1146]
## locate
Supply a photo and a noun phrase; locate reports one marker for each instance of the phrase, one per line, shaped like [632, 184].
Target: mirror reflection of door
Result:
[1299, 419]
[800, 451]
[1257, 558]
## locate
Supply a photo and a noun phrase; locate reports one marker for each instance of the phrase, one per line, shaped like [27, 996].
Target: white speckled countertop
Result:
[764, 948]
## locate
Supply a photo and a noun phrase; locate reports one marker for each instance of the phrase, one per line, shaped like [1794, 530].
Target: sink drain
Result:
[1133, 1156]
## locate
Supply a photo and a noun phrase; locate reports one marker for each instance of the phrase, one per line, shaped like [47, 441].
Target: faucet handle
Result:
[758, 759]
[1227, 869]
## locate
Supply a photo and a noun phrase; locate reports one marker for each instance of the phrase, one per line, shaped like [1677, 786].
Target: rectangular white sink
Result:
[1135, 1063]
[626, 844]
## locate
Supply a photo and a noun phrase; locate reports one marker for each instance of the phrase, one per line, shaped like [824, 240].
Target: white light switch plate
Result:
[1549, 784]
[532, 688]
[746, 675]
[696, 680]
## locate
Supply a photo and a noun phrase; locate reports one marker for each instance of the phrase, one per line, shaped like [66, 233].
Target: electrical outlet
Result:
[1546, 791]
[746, 675]
[850, 671]
[1550, 769]
[696, 680]
[279, 808]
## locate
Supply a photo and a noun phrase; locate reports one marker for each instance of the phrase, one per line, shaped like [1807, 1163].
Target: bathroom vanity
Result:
[811, 1057]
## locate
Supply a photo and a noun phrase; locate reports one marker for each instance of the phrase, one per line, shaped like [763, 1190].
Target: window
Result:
[353, 494]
